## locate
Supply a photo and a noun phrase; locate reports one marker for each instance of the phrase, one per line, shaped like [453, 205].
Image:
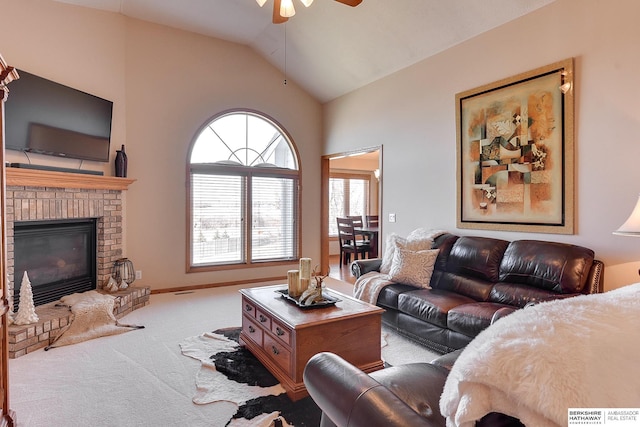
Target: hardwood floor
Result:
[339, 271]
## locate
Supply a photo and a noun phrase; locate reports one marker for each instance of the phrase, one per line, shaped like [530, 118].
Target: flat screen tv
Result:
[45, 117]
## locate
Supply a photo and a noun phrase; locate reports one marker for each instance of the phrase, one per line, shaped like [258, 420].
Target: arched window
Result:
[243, 192]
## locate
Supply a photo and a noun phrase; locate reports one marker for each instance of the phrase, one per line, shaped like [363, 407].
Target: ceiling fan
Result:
[283, 9]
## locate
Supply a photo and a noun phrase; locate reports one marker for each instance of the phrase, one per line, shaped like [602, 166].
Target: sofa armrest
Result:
[363, 266]
[595, 281]
[352, 398]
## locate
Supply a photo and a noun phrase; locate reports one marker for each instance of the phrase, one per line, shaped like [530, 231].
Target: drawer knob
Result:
[279, 331]
[251, 329]
[262, 319]
[275, 350]
[247, 307]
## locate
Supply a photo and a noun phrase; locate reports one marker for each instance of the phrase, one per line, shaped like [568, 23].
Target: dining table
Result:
[372, 234]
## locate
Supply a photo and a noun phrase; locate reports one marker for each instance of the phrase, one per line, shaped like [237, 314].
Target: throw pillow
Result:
[418, 240]
[413, 267]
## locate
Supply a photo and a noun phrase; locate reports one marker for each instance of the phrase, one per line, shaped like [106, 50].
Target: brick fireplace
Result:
[27, 203]
[33, 195]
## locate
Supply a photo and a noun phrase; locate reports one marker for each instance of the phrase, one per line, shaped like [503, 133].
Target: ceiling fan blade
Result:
[352, 3]
[277, 19]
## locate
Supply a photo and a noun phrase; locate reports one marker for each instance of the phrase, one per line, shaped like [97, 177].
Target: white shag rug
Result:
[93, 318]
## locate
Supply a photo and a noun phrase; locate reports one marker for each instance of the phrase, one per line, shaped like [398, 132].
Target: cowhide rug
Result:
[231, 373]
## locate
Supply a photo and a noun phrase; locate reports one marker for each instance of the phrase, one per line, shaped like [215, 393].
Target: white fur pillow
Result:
[413, 267]
[421, 235]
[418, 240]
[393, 240]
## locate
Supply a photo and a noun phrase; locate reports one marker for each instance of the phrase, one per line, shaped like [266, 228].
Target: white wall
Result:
[412, 115]
[165, 84]
[175, 82]
[77, 47]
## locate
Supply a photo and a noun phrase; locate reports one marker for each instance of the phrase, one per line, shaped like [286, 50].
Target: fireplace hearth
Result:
[59, 257]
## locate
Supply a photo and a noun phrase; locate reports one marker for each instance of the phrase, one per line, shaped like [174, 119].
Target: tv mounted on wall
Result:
[49, 118]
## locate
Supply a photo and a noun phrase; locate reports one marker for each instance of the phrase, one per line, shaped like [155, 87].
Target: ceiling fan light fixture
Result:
[261, 2]
[306, 3]
[286, 9]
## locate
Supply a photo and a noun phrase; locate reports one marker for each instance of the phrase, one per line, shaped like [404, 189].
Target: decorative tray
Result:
[326, 301]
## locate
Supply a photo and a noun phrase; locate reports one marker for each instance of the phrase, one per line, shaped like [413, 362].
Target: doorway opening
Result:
[351, 186]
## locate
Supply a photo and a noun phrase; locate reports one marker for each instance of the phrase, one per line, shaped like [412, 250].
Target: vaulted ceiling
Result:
[330, 48]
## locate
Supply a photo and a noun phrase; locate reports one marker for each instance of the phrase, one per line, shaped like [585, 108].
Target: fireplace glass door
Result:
[58, 256]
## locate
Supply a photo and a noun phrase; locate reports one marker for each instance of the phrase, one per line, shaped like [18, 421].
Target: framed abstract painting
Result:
[515, 153]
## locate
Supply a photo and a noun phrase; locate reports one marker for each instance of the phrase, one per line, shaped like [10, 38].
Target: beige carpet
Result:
[141, 378]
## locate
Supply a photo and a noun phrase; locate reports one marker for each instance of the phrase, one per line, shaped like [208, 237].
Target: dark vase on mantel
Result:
[121, 163]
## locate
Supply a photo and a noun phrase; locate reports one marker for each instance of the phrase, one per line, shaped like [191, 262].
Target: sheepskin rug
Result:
[93, 318]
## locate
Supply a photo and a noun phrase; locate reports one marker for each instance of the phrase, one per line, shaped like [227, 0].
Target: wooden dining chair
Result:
[348, 243]
[358, 223]
[357, 220]
[372, 221]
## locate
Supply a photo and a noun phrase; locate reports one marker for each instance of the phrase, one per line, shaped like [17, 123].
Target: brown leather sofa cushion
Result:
[389, 295]
[431, 305]
[477, 257]
[471, 319]
[557, 267]
[519, 295]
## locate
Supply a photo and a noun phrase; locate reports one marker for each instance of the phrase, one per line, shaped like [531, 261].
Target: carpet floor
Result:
[141, 378]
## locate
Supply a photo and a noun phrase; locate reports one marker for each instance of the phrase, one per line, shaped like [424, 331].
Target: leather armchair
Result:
[398, 396]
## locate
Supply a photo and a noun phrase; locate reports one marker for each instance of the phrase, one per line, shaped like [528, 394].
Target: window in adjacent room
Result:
[348, 195]
[243, 193]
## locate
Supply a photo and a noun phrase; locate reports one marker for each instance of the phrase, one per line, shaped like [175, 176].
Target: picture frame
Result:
[515, 157]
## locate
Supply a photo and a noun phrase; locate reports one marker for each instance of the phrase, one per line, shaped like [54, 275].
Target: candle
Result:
[304, 284]
[305, 268]
[293, 281]
[305, 274]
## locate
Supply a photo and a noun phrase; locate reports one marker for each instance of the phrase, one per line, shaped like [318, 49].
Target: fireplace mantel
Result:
[42, 178]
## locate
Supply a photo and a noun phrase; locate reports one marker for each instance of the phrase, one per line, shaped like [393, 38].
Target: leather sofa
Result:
[477, 279]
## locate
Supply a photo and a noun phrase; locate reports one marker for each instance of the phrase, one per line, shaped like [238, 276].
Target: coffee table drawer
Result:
[252, 330]
[281, 332]
[248, 308]
[278, 353]
[263, 319]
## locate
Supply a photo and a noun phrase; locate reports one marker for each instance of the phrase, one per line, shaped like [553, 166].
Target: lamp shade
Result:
[286, 9]
[631, 227]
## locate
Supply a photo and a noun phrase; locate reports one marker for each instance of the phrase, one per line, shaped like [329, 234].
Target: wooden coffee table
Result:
[284, 336]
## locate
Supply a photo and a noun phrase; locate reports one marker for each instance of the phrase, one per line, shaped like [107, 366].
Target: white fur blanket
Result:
[537, 363]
